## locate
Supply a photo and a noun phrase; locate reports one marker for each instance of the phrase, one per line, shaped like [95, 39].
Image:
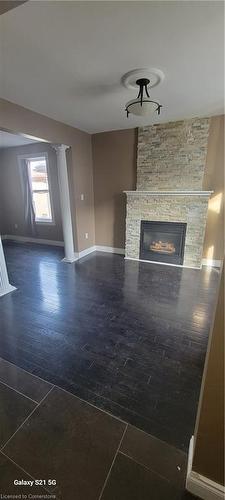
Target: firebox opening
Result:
[162, 241]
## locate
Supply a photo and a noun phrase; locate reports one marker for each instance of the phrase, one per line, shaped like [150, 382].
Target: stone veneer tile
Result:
[189, 209]
[172, 155]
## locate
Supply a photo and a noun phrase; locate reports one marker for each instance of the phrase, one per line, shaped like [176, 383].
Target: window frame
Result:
[35, 156]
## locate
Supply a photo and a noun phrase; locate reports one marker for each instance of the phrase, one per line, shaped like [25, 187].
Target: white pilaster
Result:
[5, 286]
[65, 202]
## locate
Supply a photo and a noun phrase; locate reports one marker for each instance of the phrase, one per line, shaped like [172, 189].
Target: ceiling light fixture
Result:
[142, 105]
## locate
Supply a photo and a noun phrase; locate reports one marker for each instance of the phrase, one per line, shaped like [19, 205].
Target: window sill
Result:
[45, 222]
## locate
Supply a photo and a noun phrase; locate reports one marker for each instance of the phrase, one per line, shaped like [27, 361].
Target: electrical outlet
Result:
[82, 197]
[86, 236]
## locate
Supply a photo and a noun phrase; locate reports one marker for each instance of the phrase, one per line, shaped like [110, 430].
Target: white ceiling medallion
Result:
[155, 76]
[143, 80]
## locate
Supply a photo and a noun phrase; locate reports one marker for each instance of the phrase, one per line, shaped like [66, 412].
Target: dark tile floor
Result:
[128, 337]
[71, 450]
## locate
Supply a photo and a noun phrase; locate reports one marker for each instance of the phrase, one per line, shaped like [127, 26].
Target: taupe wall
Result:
[214, 179]
[9, 4]
[12, 196]
[114, 164]
[114, 161]
[114, 157]
[20, 120]
[209, 436]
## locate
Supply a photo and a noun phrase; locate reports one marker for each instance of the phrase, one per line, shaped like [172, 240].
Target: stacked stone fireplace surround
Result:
[171, 161]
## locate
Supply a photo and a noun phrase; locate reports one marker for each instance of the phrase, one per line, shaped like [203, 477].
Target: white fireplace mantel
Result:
[169, 193]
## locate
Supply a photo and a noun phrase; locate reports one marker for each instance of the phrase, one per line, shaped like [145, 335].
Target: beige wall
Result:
[114, 161]
[209, 436]
[9, 4]
[214, 179]
[10, 180]
[18, 119]
[114, 168]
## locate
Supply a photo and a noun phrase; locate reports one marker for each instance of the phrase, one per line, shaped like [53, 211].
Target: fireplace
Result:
[162, 241]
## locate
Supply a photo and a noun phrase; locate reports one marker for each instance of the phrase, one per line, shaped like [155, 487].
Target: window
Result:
[40, 188]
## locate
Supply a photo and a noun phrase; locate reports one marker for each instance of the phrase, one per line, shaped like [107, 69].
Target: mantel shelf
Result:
[169, 193]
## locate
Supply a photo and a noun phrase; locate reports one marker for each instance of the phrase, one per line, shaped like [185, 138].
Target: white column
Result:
[5, 286]
[65, 202]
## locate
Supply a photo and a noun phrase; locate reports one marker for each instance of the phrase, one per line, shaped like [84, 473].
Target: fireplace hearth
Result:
[163, 241]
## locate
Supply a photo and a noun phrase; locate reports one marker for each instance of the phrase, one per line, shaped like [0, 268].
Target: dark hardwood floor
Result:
[125, 336]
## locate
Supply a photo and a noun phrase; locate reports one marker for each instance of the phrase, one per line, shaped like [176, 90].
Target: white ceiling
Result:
[65, 59]
[8, 140]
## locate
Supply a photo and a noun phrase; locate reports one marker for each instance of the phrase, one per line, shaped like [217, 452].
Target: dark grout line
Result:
[158, 439]
[21, 425]
[11, 460]
[29, 373]
[18, 392]
[93, 406]
[144, 466]
[23, 470]
[70, 393]
[110, 469]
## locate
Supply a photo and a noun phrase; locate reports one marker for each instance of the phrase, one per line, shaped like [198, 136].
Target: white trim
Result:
[211, 262]
[200, 485]
[86, 251]
[163, 263]
[169, 193]
[5, 286]
[35, 156]
[64, 193]
[77, 255]
[46, 222]
[100, 248]
[31, 156]
[9, 289]
[70, 260]
[190, 456]
[28, 239]
[204, 488]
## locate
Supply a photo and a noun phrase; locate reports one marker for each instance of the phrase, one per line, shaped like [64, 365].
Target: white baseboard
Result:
[8, 289]
[28, 239]
[100, 248]
[162, 263]
[77, 255]
[121, 251]
[200, 485]
[211, 262]
[85, 252]
[70, 261]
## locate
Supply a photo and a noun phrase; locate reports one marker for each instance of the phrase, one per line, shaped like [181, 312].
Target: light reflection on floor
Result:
[48, 272]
